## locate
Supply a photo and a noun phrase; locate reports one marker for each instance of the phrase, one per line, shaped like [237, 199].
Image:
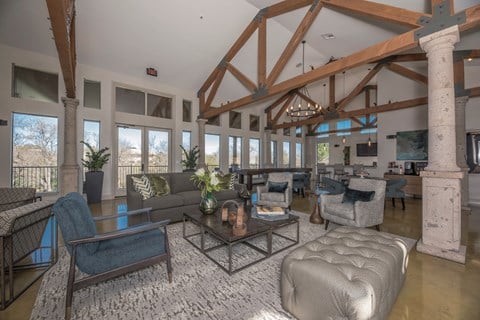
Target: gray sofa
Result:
[184, 197]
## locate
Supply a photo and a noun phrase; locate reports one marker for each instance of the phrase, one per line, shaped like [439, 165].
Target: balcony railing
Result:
[42, 178]
[123, 171]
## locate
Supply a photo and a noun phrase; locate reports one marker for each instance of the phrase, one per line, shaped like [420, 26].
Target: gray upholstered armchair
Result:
[359, 213]
[108, 255]
[272, 198]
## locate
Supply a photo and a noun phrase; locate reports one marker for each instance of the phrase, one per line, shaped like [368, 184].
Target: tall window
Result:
[142, 103]
[235, 152]
[212, 151]
[91, 133]
[364, 121]
[187, 139]
[34, 84]
[91, 94]
[298, 131]
[34, 156]
[323, 127]
[323, 152]
[187, 111]
[298, 155]
[286, 154]
[254, 153]
[273, 145]
[342, 125]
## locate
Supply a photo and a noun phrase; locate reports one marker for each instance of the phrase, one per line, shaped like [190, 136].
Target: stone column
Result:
[70, 169]
[461, 142]
[267, 148]
[441, 179]
[310, 149]
[201, 143]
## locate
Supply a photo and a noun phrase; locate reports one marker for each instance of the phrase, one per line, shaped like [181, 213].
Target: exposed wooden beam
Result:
[292, 45]
[62, 15]
[215, 86]
[278, 101]
[474, 92]
[285, 6]
[356, 91]
[450, 3]
[282, 110]
[247, 83]
[408, 57]
[246, 34]
[262, 53]
[410, 74]
[378, 51]
[361, 112]
[355, 119]
[306, 98]
[378, 11]
[473, 18]
[331, 91]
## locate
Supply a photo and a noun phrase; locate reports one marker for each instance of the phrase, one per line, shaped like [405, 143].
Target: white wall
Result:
[108, 117]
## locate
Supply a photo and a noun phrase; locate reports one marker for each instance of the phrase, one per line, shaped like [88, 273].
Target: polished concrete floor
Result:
[434, 288]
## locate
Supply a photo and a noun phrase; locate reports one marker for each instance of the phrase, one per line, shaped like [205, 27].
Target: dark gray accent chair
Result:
[394, 190]
[108, 255]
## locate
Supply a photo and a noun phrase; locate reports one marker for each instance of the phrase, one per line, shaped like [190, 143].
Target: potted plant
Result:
[94, 162]
[191, 158]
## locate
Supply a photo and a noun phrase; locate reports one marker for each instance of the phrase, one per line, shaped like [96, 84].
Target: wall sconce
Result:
[3, 122]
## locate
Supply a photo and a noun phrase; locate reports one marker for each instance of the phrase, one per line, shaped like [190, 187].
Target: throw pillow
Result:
[142, 186]
[159, 186]
[233, 180]
[277, 186]
[225, 181]
[352, 195]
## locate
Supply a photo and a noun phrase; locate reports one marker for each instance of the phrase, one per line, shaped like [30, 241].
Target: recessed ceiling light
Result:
[470, 59]
[328, 36]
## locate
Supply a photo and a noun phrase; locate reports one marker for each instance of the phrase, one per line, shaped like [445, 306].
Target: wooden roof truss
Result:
[384, 54]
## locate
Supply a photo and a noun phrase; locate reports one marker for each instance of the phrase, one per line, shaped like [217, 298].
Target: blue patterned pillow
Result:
[352, 195]
[279, 187]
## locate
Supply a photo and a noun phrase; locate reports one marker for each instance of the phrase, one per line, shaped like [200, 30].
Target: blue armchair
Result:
[108, 255]
[394, 190]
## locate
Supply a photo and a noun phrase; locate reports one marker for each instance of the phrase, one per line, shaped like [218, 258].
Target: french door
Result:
[141, 150]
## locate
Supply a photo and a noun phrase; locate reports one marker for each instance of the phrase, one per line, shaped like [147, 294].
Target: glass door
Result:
[140, 150]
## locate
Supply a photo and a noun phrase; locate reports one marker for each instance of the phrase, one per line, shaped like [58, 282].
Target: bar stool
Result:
[321, 172]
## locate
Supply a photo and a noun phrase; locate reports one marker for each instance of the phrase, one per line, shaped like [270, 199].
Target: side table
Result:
[315, 217]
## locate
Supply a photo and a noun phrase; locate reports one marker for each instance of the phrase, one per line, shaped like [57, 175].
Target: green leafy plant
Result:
[95, 159]
[191, 157]
[206, 181]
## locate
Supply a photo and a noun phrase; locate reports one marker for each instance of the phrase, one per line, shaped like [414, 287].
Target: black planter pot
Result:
[93, 186]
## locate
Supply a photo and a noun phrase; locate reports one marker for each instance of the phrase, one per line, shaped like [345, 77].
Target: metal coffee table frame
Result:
[265, 228]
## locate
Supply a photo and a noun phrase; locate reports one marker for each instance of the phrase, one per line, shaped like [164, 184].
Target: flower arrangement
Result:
[206, 181]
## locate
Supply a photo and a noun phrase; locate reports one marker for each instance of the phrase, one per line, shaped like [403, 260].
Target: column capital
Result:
[447, 37]
[70, 102]
[201, 121]
[461, 101]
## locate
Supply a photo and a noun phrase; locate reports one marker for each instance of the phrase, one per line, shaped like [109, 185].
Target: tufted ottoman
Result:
[349, 273]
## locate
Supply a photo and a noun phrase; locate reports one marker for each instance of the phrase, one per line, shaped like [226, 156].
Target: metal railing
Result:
[42, 178]
[123, 171]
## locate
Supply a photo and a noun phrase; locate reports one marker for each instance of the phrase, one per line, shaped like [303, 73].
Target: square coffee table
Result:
[211, 227]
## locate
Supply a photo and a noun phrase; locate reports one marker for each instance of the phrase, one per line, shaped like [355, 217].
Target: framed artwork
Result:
[412, 145]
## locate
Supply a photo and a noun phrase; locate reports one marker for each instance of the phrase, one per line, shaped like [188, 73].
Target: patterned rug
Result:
[200, 289]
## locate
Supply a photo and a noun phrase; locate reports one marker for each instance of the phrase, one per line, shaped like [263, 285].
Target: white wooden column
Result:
[267, 148]
[201, 143]
[69, 171]
[441, 179]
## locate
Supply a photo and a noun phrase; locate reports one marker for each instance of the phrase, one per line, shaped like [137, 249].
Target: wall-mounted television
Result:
[364, 150]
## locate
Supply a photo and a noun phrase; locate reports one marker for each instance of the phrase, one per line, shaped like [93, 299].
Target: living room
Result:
[112, 66]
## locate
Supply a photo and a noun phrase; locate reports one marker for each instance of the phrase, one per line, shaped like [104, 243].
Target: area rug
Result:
[200, 289]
